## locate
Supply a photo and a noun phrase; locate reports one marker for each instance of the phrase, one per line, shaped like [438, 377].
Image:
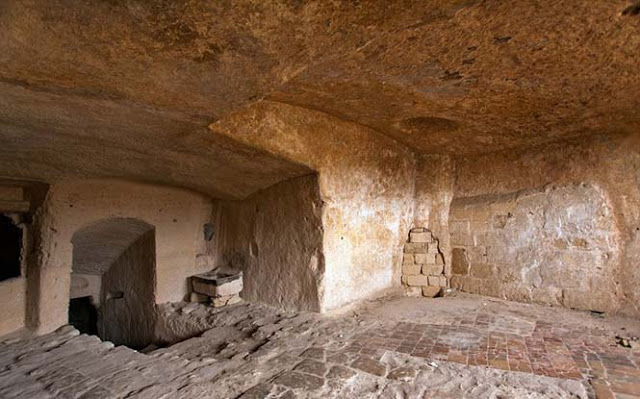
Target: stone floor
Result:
[460, 346]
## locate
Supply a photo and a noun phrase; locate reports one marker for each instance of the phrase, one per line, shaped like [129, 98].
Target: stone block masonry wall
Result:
[605, 170]
[558, 247]
[423, 265]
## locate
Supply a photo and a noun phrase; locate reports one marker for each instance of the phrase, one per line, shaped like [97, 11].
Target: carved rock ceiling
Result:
[127, 88]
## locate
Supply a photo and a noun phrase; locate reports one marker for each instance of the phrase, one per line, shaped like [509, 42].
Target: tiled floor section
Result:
[539, 347]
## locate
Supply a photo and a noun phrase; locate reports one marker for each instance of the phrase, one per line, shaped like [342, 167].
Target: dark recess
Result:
[10, 248]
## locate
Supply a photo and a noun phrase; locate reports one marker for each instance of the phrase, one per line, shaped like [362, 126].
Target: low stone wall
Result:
[423, 265]
[558, 247]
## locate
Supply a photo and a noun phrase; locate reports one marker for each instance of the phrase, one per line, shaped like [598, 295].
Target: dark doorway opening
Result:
[83, 315]
[114, 264]
[10, 248]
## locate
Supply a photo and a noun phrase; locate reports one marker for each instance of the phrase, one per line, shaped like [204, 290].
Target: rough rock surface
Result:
[457, 77]
[275, 236]
[608, 170]
[399, 108]
[176, 216]
[559, 246]
[365, 182]
[254, 351]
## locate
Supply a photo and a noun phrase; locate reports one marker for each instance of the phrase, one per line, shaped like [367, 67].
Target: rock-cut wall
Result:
[558, 246]
[127, 311]
[365, 181]
[559, 224]
[177, 215]
[275, 237]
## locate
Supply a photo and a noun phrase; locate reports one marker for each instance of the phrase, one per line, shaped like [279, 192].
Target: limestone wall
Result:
[130, 319]
[423, 265]
[275, 236]
[365, 180]
[86, 285]
[557, 246]
[12, 290]
[177, 215]
[18, 199]
[433, 194]
[557, 225]
[13, 300]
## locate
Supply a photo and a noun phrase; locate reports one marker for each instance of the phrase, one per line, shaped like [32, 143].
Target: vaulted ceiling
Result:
[127, 88]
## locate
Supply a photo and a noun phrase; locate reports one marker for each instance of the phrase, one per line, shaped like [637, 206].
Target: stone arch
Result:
[114, 268]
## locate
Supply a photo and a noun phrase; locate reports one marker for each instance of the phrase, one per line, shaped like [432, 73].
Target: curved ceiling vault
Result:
[96, 247]
[126, 89]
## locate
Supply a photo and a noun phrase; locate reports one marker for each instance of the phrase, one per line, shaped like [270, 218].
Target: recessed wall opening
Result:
[83, 315]
[10, 248]
[113, 273]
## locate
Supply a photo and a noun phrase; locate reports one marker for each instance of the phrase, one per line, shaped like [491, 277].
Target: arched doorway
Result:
[113, 281]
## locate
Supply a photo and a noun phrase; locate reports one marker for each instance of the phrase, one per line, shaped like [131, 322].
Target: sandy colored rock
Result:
[416, 248]
[432, 270]
[305, 143]
[413, 291]
[341, 372]
[417, 281]
[420, 236]
[430, 291]
[411, 269]
[422, 259]
[369, 365]
[227, 289]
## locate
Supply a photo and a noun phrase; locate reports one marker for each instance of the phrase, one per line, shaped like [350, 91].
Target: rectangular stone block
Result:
[456, 282]
[231, 288]
[430, 292]
[417, 281]
[483, 271]
[408, 259]
[434, 281]
[420, 237]
[439, 259]
[430, 259]
[433, 248]
[14, 206]
[432, 270]
[421, 259]
[459, 262]
[443, 281]
[416, 248]
[216, 284]
[468, 284]
[411, 269]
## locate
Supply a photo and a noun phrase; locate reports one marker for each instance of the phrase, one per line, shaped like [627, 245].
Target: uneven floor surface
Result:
[453, 347]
